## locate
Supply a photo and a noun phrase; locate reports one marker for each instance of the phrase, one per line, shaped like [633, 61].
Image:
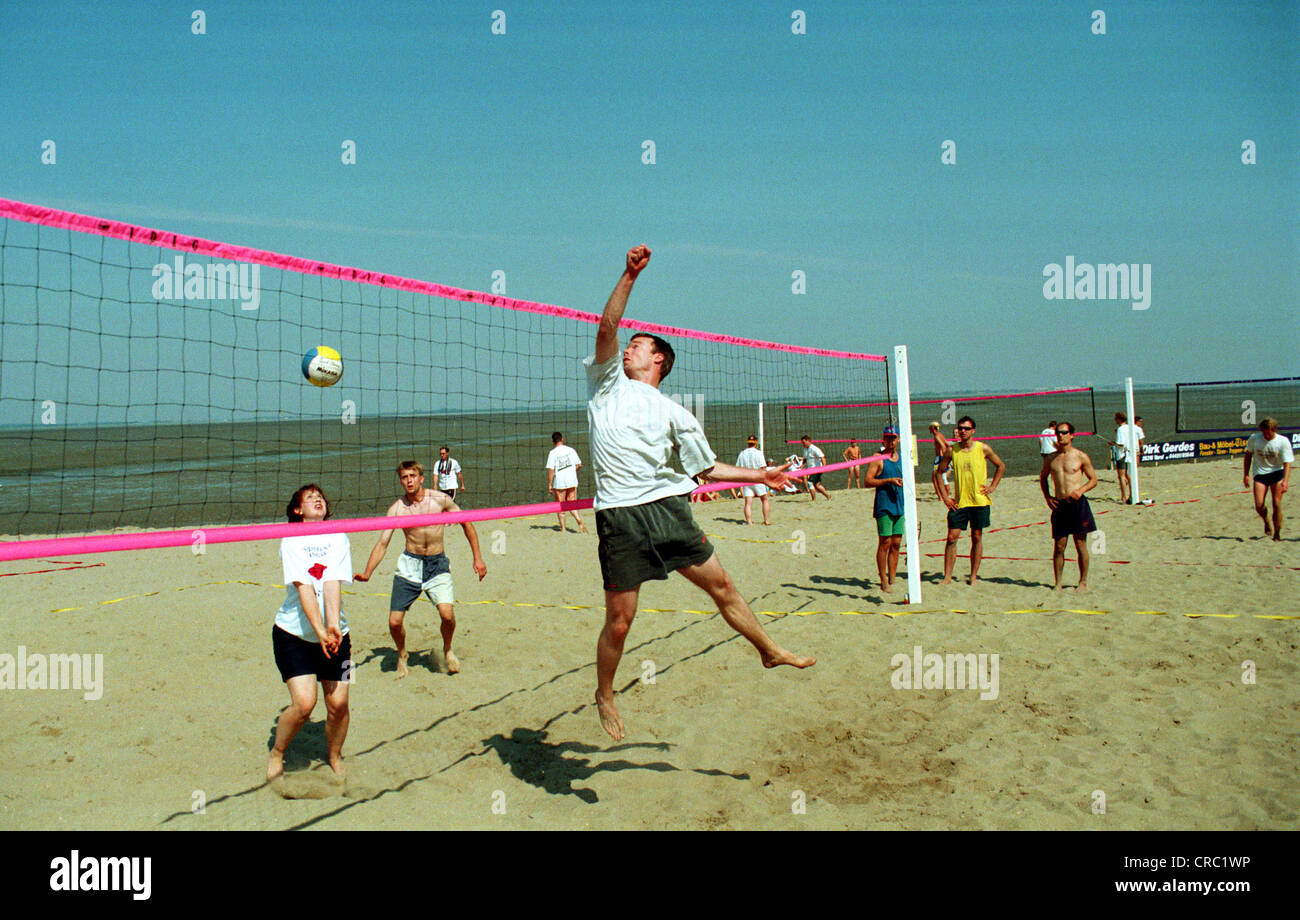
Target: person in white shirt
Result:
[1268, 461]
[1119, 454]
[562, 465]
[308, 648]
[447, 474]
[751, 459]
[1047, 440]
[813, 456]
[643, 517]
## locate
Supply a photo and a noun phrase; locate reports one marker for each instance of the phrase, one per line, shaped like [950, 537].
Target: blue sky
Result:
[775, 152]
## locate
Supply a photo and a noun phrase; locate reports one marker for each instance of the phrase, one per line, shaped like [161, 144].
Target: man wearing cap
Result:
[751, 459]
[886, 477]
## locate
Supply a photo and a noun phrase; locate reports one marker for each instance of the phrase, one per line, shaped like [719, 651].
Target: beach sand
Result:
[1130, 696]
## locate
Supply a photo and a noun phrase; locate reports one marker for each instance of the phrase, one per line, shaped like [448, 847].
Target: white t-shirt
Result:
[446, 471]
[634, 429]
[1269, 456]
[813, 456]
[751, 459]
[312, 560]
[565, 461]
[1047, 443]
[796, 463]
[1120, 452]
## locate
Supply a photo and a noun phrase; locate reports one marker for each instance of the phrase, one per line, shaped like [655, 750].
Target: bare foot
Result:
[781, 656]
[336, 764]
[971, 581]
[609, 719]
[453, 663]
[886, 587]
[1083, 587]
[582, 528]
[947, 580]
[274, 765]
[1277, 537]
[401, 666]
[1056, 588]
[1268, 529]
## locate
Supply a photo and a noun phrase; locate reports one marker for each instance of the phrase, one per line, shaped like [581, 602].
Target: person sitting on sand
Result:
[1072, 475]
[422, 567]
[308, 649]
[643, 519]
[1268, 460]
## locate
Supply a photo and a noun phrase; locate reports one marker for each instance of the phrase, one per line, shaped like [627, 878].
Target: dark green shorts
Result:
[977, 516]
[643, 542]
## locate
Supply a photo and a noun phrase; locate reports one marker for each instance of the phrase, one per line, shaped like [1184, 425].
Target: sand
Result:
[1121, 708]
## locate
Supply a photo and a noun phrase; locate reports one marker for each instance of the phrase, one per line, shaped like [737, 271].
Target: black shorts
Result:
[297, 657]
[643, 542]
[1268, 479]
[977, 516]
[1072, 518]
[450, 493]
[814, 478]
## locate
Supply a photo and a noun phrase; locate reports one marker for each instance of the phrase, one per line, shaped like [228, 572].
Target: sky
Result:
[804, 137]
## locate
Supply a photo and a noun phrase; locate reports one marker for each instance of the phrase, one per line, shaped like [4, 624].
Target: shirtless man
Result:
[422, 568]
[643, 519]
[853, 452]
[1072, 475]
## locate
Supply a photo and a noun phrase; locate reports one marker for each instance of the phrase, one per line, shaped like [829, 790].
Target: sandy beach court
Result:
[1164, 697]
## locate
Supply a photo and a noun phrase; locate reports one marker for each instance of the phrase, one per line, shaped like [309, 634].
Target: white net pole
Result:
[908, 461]
[1131, 440]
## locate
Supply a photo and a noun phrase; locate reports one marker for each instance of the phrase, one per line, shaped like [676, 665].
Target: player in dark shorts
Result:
[1071, 473]
[643, 516]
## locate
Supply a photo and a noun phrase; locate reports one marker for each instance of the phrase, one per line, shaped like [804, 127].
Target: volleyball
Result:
[323, 366]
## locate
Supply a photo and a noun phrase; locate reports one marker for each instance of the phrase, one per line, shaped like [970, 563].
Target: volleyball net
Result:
[153, 380]
[1216, 406]
[1012, 420]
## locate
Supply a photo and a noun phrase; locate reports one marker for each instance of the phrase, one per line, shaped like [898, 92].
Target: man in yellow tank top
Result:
[970, 501]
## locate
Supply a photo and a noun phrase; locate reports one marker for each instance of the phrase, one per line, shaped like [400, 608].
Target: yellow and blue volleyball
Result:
[323, 366]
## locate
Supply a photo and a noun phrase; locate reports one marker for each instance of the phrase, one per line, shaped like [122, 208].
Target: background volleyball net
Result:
[153, 380]
[1236, 405]
[1012, 422]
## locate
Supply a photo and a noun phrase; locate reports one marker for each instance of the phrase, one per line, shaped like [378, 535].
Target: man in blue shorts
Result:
[423, 567]
[643, 516]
